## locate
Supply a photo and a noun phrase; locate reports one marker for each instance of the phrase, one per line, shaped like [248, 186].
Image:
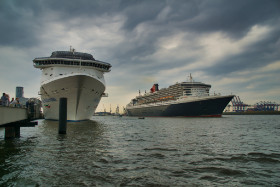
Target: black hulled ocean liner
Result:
[185, 99]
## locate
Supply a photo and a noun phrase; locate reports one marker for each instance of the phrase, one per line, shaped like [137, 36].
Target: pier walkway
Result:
[12, 118]
[12, 114]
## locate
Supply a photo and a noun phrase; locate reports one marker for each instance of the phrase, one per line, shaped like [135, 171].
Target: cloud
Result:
[233, 45]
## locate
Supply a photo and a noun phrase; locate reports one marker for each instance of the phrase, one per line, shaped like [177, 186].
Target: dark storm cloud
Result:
[21, 20]
[255, 56]
[18, 26]
[234, 17]
[138, 12]
[22, 23]
[134, 36]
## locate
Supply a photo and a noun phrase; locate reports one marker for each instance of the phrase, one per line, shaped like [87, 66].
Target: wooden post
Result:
[17, 131]
[62, 116]
[9, 132]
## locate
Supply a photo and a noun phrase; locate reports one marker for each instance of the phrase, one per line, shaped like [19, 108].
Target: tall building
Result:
[19, 91]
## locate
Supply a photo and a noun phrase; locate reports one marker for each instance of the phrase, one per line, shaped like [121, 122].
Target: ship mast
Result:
[190, 78]
[72, 49]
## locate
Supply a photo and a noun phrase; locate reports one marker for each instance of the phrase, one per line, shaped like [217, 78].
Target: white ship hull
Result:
[83, 95]
[75, 76]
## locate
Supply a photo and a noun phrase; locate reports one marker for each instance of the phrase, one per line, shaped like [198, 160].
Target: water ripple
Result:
[111, 151]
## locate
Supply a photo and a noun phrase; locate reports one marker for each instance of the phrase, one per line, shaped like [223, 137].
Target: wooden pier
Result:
[12, 118]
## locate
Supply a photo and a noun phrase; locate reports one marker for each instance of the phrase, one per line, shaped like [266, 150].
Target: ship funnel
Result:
[154, 88]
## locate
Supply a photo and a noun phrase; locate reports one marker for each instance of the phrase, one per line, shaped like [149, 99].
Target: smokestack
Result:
[156, 87]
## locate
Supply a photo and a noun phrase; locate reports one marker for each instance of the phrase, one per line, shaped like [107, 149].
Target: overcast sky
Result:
[232, 45]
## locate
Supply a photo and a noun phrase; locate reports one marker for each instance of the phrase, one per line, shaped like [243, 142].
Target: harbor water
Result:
[127, 151]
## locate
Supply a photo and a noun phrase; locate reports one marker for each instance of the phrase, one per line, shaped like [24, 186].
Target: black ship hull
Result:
[212, 107]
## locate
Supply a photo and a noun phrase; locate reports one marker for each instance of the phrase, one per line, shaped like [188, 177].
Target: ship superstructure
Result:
[74, 75]
[181, 99]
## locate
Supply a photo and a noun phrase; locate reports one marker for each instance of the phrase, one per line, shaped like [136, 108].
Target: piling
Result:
[62, 116]
[17, 131]
[9, 132]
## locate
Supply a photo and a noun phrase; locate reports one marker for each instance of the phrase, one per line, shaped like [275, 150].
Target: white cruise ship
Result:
[75, 76]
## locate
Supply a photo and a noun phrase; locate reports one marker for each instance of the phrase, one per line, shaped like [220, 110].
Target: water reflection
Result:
[47, 154]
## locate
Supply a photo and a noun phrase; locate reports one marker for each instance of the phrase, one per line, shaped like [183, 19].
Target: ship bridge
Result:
[72, 55]
[71, 58]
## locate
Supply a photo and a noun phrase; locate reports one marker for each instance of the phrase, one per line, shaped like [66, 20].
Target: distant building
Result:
[20, 95]
[19, 91]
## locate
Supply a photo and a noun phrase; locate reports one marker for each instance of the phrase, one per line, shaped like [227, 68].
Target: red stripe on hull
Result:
[207, 116]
